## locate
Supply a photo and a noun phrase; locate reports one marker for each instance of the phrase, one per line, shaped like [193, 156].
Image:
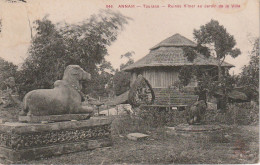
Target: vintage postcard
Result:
[129, 81]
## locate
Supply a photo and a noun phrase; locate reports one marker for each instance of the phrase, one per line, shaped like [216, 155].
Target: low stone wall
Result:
[28, 141]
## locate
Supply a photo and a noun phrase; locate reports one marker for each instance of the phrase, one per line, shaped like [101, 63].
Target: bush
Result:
[161, 116]
[147, 118]
[237, 113]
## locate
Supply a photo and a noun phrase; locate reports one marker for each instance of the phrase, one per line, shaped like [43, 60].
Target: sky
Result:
[148, 27]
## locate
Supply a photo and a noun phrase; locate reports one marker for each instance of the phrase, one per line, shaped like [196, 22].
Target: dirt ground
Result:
[237, 144]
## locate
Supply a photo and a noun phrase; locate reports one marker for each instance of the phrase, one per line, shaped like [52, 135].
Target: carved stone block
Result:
[28, 141]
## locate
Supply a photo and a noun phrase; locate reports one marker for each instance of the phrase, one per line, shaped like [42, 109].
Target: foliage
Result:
[55, 46]
[186, 74]
[7, 70]
[103, 80]
[121, 79]
[217, 39]
[250, 73]
[238, 113]
[130, 61]
[205, 80]
[191, 53]
[220, 43]
[161, 116]
[212, 40]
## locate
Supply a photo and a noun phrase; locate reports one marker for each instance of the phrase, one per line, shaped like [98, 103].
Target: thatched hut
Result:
[162, 65]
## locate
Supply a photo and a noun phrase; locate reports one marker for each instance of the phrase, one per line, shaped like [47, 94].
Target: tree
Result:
[121, 79]
[249, 77]
[102, 82]
[220, 43]
[55, 46]
[214, 39]
[7, 70]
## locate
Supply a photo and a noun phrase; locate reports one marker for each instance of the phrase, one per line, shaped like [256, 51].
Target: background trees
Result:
[220, 43]
[7, 70]
[249, 77]
[214, 40]
[121, 79]
[55, 46]
[250, 73]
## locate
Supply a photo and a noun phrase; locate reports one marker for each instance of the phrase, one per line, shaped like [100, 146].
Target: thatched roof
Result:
[170, 52]
[175, 40]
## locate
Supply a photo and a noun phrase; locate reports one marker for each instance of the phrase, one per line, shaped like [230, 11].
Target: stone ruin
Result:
[54, 122]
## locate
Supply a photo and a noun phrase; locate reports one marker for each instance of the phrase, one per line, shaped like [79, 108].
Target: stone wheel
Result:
[141, 93]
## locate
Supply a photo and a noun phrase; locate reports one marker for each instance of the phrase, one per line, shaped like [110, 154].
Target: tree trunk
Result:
[223, 99]
[219, 71]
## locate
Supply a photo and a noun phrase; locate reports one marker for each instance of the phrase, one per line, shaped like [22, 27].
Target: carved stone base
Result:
[27, 141]
[197, 128]
[53, 118]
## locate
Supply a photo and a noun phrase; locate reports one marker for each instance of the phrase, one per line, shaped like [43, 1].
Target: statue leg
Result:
[24, 111]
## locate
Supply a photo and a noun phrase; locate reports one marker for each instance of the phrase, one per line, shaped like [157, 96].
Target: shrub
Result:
[237, 113]
[161, 116]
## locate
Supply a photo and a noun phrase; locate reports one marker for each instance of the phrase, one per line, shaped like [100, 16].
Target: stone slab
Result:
[28, 141]
[137, 136]
[186, 130]
[197, 128]
[53, 118]
[17, 127]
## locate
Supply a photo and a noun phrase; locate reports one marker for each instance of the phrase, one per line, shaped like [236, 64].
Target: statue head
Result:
[76, 72]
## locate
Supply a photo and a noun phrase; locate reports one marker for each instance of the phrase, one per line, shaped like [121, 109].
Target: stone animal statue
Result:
[64, 98]
[196, 111]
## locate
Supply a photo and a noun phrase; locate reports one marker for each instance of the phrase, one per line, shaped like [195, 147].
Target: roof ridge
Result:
[175, 40]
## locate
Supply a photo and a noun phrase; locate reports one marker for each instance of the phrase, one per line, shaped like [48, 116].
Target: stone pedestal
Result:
[53, 118]
[29, 141]
[195, 130]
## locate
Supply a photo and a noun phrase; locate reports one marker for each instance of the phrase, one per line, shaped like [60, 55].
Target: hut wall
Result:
[164, 77]
[161, 78]
[158, 78]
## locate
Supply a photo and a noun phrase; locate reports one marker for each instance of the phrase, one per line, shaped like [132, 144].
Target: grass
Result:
[237, 144]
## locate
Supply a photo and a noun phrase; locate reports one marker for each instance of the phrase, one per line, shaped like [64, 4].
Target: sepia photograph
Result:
[129, 81]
